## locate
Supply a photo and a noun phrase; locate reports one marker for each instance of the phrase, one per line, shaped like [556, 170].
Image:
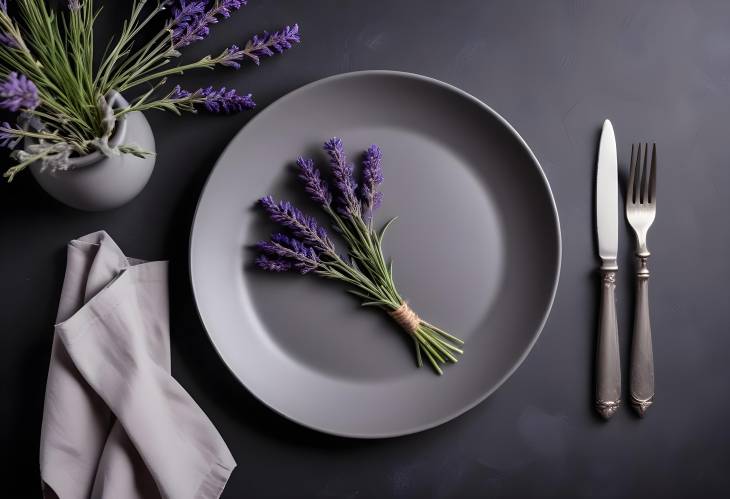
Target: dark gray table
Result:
[659, 69]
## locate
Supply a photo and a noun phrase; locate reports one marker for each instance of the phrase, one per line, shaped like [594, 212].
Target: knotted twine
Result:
[406, 318]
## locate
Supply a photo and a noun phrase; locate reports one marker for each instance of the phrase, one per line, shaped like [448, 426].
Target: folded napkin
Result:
[116, 425]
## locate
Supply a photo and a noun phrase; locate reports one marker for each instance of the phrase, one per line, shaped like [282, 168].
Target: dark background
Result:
[660, 70]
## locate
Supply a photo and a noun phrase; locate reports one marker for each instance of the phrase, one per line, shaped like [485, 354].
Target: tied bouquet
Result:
[308, 248]
[49, 76]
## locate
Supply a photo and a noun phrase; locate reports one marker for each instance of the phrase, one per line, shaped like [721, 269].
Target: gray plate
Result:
[476, 251]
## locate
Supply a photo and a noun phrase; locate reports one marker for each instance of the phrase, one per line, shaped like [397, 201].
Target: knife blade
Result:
[607, 198]
[608, 365]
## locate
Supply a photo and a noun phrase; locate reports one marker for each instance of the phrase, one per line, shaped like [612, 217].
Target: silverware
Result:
[640, 212]
[608, 369]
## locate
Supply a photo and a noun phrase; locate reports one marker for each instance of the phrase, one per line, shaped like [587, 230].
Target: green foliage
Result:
[371, 279]
[55, 51]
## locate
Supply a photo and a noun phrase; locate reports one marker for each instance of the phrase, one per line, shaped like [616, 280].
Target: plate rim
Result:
[558, 263]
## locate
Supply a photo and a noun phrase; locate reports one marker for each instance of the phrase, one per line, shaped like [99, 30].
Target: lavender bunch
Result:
[49, 77]
[308, 248]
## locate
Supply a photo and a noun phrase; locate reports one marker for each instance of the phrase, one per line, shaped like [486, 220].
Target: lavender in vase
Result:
[48, 75]
[308, 248]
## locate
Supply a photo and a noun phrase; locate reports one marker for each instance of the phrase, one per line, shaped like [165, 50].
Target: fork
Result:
[640, 212]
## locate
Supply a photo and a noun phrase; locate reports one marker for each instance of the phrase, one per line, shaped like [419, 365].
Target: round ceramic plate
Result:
[476, 250]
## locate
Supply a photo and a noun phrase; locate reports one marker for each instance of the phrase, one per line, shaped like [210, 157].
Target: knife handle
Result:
[608, 367]
[642, 358]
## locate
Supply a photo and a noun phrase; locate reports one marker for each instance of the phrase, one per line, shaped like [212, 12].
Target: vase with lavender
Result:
[306, 247]
[79, 125]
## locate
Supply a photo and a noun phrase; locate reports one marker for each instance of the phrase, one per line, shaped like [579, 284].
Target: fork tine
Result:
[644, 185]
[652, 175]
[632, 176]
[637, 179]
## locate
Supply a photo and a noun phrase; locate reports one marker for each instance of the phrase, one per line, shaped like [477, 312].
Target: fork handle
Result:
[608, 367]
[642, 358]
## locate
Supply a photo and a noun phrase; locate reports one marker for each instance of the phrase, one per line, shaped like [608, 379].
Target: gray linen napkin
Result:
[116, 424]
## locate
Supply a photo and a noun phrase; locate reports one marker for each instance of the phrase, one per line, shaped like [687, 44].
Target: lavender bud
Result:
[231, 56]
[301, 225]
[215, 101]
[268, 44]
[313, 183]
[302, 257]
[18, 92]
[226, 101]
[273, 265]
[190, 21]
[7, 138]
[372, 176]
[344, 179]
[178, 93]
[8, 40]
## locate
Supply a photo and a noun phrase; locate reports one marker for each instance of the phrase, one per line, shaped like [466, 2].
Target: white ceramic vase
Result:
[96, 182]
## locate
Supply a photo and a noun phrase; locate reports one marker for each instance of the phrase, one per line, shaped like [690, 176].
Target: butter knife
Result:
[608, 368]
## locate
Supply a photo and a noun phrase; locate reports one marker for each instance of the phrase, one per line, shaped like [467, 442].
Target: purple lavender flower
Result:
[185, 18]
[18, 92]
[313, 183]
[372, 176]
[344, 180]
[226, 101]
[186, 11]
[231, 56]
[74, 4]
[273, 264]
[226, 7]
[190, 22]
[179, 93]
[5, 38]
[302, 257]
[7, 138]
[267, 44]
[8, 40]
[302, 226]
[215, 101]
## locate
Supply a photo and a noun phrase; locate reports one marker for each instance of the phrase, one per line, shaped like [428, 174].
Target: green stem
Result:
[206, 62]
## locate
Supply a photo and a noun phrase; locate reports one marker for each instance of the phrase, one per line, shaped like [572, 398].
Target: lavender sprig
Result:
[344, 178]
[288, 249]
[372, 177]
[364, 269]
[185, 17]
[268, 44]
[216, 101]
[301, 225]
[191, 22]
[313, 183]
[226, 101]
[264, 45]
[18, 92]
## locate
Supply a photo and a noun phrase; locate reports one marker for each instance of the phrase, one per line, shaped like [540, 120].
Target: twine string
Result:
[406, 318]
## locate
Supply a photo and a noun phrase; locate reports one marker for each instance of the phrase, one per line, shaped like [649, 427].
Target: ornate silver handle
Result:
[608, 366]
[642, 358]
